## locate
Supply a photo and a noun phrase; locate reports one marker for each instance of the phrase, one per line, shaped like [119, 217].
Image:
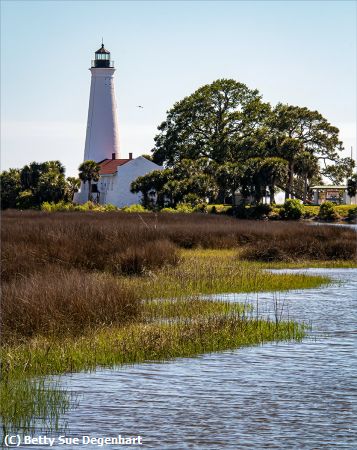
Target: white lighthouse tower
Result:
[102, 138]
[102, 143]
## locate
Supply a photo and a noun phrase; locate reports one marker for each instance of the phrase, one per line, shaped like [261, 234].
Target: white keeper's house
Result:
[102, 141]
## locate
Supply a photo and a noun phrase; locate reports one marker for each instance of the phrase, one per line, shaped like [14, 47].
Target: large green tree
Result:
[253, 181]
[153, 188]
[217, 121]
[33, 184]
[10, 185]
[51, 187]
[273, 172]
[307, 170]
[229, 178]
[297, 130]
[189, 181]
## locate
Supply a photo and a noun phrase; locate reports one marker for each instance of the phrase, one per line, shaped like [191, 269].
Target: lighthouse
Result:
[102, 143]
[102, 136]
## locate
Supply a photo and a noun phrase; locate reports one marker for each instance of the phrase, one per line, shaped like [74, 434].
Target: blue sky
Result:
[301, 53]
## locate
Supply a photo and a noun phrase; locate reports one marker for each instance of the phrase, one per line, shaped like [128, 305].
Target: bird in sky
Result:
[139, 106]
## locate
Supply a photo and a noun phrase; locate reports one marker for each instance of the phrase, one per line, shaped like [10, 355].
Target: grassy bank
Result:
[87, 290]
[235, 255]
[218, 271]
[165, 330]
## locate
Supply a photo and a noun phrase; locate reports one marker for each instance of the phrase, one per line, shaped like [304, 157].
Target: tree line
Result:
[36, 183]
[223, 138]
[220, 139]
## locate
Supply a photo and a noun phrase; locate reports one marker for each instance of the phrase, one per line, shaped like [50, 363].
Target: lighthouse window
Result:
[102, 56]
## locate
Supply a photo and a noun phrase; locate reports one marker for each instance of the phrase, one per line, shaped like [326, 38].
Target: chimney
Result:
[130, 156]
[113, 155]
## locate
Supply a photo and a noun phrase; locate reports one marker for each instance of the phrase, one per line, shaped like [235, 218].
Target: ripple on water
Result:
[284, 396]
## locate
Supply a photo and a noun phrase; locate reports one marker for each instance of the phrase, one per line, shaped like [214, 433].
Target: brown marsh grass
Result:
[57, 301]
[130, 243]
[304, 242]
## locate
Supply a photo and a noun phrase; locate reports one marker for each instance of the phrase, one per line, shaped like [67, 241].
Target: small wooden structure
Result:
[332, 193]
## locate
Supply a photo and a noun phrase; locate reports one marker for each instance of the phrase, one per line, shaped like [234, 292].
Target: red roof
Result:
[109, 166]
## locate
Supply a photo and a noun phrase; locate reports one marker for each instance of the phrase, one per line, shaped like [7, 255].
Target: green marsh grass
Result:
[31, 404]
[219, 271]
[167, 329]
[187, 308]
[147, 342]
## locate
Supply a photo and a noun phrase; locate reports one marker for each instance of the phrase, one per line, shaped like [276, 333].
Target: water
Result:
[279, 396]
[353, 226]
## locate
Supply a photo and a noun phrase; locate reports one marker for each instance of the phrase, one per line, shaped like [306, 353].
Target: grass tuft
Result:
[59, 302]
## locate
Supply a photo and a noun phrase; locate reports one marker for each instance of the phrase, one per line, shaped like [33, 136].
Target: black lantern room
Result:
[102, 58]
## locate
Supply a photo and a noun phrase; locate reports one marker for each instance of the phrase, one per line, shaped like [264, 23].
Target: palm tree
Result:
[89, 171]
[72, 186]
[307, 167]
[274, 171]
[352, 186]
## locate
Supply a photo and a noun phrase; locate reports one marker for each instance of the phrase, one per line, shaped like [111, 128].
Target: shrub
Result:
[310, 211]
[292, 209]
[327, 212]
[229, 211]
[218, 209]
[60, 206]
[260, 211]
[46, 206]
[185, 208]
[343, 210]
[134, 209]
[200, 207]
[168, 210]
[88, 206]
[274, 215]
[109, 207]
[352, 214]
[241, 212]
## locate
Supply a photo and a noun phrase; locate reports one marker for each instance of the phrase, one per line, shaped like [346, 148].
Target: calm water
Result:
[283, 396]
